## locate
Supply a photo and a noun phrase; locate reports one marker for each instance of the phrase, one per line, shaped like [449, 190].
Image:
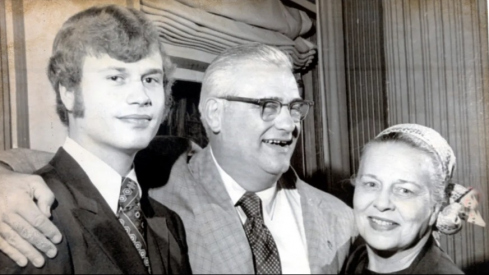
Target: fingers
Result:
[31, 235]
[12, 239]
[21, 218]
[12, 253]
[42, 194]
[34, 218]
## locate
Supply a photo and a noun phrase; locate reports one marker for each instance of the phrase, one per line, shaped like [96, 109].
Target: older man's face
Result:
[249, 141]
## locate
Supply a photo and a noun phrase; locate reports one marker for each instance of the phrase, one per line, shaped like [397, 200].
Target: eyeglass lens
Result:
[298, 110]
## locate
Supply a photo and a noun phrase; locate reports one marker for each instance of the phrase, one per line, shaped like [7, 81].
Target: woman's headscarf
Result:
[460, 202]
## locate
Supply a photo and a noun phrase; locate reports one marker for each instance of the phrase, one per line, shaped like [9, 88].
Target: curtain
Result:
[195, 32]
[438, 75]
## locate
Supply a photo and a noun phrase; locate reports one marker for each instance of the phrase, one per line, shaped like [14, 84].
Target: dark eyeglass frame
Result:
[262, 101]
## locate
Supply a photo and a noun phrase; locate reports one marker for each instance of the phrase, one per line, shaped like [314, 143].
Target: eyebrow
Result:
[153, 71]
[400, 181]
[119, 69]
[279, 98]
[411, 182]
[369, 175]
[123, 70]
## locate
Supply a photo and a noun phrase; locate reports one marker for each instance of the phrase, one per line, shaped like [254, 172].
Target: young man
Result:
[244, 208]
[109, 74]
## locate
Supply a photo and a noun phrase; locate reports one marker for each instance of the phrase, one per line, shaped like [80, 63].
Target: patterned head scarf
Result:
[433, 140]
[462, 201]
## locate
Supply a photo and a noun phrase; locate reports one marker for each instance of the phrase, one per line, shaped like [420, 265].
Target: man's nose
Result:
[138, 94]
[284, 120]
[383, 202]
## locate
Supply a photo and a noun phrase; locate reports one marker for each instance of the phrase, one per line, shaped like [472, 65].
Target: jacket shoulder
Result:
[163, 211]
[436, 261]
[174, 222]
[327, 200]
[179, 261]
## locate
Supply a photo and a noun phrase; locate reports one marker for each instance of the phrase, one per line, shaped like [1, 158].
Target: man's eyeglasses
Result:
[270, 108]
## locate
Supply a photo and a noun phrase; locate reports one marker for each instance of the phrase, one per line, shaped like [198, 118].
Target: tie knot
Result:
[251, 205]
[129, 196]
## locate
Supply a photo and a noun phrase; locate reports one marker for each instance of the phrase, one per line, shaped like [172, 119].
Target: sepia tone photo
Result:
[253, 136]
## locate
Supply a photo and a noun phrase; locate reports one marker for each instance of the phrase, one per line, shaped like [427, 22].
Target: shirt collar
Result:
[235, 191]
[103, 177]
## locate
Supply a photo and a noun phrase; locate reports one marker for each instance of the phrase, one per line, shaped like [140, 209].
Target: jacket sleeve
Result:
[183, 267]
[25, 160]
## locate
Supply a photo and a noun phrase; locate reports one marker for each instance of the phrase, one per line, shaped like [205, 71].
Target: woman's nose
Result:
[383, 202]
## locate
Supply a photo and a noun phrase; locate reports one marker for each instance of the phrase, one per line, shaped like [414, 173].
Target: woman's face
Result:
[392, 201]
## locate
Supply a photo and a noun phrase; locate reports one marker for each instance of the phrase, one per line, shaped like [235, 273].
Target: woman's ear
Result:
[434, 215]
[213, 114]
[67, 97]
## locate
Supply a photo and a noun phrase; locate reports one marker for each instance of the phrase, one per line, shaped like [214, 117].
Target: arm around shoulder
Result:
[61, 264]
[24, 160]
[25, 203]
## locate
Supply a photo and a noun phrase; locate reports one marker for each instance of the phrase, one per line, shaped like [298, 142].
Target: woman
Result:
[400, 189]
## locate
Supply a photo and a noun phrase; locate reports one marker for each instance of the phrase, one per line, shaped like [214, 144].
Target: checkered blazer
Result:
[216, 239]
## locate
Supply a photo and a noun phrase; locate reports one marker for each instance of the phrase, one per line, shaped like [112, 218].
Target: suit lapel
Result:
[158, 245]
[203, 168]
[315, 230]
[158, 237]
[95, 216]
[219, 217]
[320, 246]
[318, 226]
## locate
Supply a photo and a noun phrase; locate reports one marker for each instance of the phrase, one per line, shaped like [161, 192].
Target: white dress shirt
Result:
[107, 181]
[282, 215]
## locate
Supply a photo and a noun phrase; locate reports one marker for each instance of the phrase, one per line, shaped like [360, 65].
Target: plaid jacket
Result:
[216, 240]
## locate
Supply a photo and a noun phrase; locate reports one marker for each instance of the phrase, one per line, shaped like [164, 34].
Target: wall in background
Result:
[365, 73]
[438, 75]
[391, 61]
[331, 147]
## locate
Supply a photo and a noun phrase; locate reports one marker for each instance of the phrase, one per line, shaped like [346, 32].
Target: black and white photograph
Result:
[244, 136]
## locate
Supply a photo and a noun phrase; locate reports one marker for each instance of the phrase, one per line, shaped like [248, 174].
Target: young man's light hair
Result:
[124, 34]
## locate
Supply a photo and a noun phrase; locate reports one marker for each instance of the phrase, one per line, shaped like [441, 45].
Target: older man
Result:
[244, 208]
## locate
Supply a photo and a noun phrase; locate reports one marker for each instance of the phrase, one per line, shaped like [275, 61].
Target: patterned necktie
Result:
[132, 218]
[265, 253]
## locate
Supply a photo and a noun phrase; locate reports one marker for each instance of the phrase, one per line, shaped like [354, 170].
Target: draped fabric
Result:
[365, 70]
[271, 15]
[195, 32]
[437, 74]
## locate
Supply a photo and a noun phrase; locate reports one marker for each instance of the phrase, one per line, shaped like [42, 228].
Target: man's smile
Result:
[278, 142]
[136, 119]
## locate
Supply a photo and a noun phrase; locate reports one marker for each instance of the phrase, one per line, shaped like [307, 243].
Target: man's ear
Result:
[67, 97]
[213, 114]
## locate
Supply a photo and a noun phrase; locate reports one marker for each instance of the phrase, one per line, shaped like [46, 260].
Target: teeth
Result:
[384, 223]
[277, 142]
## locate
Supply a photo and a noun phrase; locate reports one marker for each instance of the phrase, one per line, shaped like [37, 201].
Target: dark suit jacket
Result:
[94, 241]
[431, 260]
